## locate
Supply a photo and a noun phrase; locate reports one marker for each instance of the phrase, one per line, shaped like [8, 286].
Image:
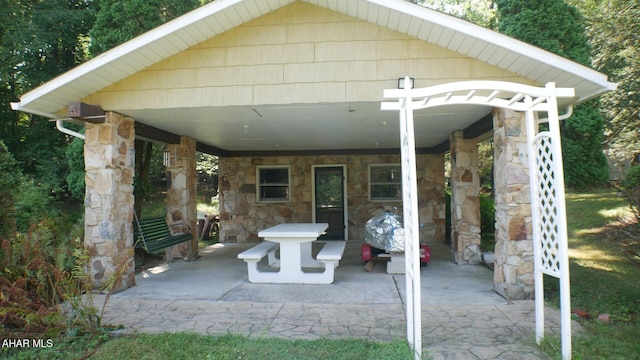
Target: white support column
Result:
[404, 105]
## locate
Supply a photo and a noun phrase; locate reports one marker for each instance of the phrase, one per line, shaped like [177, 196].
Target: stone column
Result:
[109, 156]
[513, 271]
[181, 198]
[465, 200]
[431, 198]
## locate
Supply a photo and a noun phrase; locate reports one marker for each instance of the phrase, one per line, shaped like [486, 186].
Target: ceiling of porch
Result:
[359, 126]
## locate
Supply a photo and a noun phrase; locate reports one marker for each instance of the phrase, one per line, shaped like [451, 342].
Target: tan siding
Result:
[299, 93]
[269, 54]
[240, 75]
[230, 95]
[249, 36]
[185, 97]
[298, 54]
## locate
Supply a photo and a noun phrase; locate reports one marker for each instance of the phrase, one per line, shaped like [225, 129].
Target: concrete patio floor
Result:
[462, 317]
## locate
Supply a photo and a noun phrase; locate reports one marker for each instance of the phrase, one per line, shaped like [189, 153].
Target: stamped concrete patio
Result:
[462, 317]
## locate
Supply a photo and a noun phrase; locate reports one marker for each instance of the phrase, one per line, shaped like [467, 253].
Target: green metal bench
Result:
[153, 235]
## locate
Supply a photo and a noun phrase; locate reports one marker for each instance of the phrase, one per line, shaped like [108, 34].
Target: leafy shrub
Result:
[10, 180]
[487, 216]
[34, 204]
[30, 283]
[37, 276]
[487, 223]
[75, 159]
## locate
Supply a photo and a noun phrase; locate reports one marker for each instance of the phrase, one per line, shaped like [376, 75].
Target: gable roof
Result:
[222, 130]
[219, 16]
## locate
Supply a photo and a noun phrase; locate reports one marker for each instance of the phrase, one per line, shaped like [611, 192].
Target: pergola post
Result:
[465, 200]
[109, 157]
[182, 198]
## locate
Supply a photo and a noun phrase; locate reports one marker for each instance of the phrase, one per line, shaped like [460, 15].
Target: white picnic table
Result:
[295, 243]
[295, 238]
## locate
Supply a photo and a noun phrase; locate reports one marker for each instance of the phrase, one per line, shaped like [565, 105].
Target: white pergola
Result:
[546, 181]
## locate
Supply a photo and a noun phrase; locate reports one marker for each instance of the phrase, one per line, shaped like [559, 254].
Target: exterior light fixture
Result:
[165, 158]
[401, 84]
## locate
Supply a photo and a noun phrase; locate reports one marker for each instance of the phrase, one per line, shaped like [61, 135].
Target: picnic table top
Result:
[311, 230]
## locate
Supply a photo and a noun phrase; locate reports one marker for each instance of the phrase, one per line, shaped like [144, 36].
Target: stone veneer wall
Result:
[513, 271]
[181, 198]
[241, 217]
[465, 200]
[109, 156]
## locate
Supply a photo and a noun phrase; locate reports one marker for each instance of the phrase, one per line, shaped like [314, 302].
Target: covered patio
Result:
[284, 90]
[462, 316]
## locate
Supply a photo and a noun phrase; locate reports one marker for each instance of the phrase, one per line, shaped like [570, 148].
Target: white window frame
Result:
[259, 184]
[397, 181]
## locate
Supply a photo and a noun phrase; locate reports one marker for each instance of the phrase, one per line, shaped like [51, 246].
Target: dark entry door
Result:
[329, 200]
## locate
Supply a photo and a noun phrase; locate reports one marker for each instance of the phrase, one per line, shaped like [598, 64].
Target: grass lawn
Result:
[191, 346]
[604, 279]
[177, 346]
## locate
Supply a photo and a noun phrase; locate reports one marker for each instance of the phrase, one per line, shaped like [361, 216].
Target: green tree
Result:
[613, 28]
[75, 177]
[39, 40]
[560, 28]
[481, 12]
[9, 181]
[118, 20]
[22, 202]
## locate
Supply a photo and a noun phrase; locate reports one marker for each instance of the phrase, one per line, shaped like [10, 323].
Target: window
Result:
[273, 184]
[385, 182]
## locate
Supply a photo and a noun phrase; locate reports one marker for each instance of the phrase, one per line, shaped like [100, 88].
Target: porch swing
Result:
[153, 235]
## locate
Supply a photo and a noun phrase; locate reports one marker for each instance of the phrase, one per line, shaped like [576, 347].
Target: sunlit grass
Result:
[615, 213]
[603, 279]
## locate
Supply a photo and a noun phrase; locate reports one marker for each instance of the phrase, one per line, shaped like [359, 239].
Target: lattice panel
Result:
[547, 210]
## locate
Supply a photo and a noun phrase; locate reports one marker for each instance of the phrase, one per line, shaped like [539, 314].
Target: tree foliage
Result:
[613, 28]
[552, 25]
[558, 27]
[9, 181]
[75, 176]
[119, 21]
[38, 41]
[481, 12]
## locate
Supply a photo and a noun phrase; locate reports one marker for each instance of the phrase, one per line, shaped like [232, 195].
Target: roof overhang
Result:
[354, 125]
